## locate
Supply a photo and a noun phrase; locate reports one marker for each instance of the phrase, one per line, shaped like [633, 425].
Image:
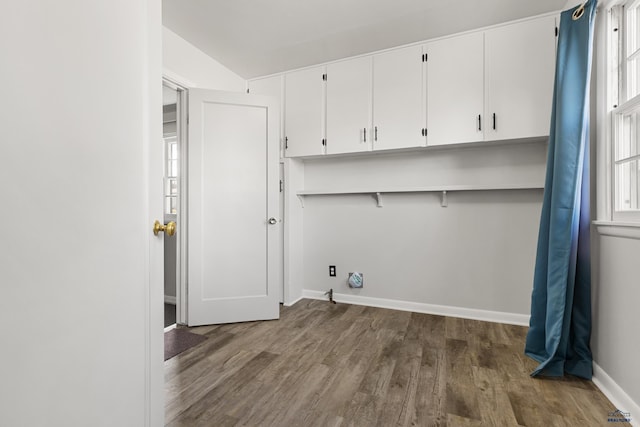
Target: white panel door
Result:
[349, 106]
[519, 75]
[81, 183]
[455, 90]
[399, 99]
[304, 112]
[233, 194]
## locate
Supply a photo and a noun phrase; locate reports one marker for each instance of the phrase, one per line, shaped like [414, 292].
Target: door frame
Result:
[181, 220]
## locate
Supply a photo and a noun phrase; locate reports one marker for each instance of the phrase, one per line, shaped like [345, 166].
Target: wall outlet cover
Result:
[332, 271]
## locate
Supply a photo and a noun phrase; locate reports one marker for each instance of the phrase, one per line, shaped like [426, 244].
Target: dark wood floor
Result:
[344, 365]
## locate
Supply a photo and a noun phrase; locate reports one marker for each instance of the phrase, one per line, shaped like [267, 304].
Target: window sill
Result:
[629, 230]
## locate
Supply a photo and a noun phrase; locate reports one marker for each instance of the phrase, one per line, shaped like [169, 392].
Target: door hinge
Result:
[556, 31]
[281, 185]
[324, 77]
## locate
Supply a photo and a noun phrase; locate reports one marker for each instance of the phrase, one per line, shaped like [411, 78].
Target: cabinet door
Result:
[455, 90]
[271, 86]
[398, 99]
[349, 106]
[304, 112]
[520, 72]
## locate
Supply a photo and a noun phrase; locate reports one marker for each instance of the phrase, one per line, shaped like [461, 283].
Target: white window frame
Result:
[611, 87]
[624, 104]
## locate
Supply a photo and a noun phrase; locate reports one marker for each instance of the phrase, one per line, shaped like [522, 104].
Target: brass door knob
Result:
[169, 229]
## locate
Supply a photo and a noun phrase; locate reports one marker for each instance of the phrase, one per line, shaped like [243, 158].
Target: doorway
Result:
[173, 101]
[225, 148]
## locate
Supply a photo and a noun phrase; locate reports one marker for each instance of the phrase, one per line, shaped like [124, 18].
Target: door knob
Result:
[169, 229]
[272, 220]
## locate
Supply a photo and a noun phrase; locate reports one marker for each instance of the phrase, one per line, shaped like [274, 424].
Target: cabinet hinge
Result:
[556, 31]
[324, 77]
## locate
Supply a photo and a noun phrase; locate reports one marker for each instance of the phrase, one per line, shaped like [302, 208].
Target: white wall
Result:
[193, 68]
[615, 342]
[75, 246]
[476, 254]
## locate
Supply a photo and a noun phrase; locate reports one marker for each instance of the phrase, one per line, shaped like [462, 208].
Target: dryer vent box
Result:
[356, 280]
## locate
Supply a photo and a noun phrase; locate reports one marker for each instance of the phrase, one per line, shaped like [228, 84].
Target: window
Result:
[171, 175]
[625, 90]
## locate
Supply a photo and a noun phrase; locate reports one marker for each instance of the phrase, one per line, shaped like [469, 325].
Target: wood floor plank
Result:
[204, 411]
[400, 400]
[327, 364]
[493, 400]
[432, 386]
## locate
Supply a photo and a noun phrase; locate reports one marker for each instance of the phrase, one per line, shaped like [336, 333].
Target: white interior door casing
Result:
[399, 99]
[519, 78]
[233, 191]
[349, 106]
[304, 112]
[455, 90]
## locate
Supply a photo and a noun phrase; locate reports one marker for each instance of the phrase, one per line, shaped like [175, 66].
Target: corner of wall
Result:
[293, 235]
[192, 67]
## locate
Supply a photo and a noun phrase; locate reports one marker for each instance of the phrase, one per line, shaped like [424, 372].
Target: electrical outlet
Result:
[332, 271]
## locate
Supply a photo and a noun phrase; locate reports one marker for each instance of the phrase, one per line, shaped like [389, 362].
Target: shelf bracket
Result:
[444, 202]
[301, 198]
[378, 198]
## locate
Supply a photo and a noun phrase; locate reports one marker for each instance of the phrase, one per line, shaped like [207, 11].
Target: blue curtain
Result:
[560, 325]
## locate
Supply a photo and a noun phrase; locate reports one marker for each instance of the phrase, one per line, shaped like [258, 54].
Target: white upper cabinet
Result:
[455, 89]
[349, 106]
[271, 86]
[304, 112]
[520, 70]
[399, 116]
[486, 85]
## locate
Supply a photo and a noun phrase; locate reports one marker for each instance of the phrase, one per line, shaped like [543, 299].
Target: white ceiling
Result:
[259, 37]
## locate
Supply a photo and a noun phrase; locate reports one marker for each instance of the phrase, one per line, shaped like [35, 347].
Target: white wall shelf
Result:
[443, 189]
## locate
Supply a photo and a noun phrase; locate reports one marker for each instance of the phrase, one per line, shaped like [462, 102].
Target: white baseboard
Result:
[442, 310]
[170, 300]
[620, 399]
